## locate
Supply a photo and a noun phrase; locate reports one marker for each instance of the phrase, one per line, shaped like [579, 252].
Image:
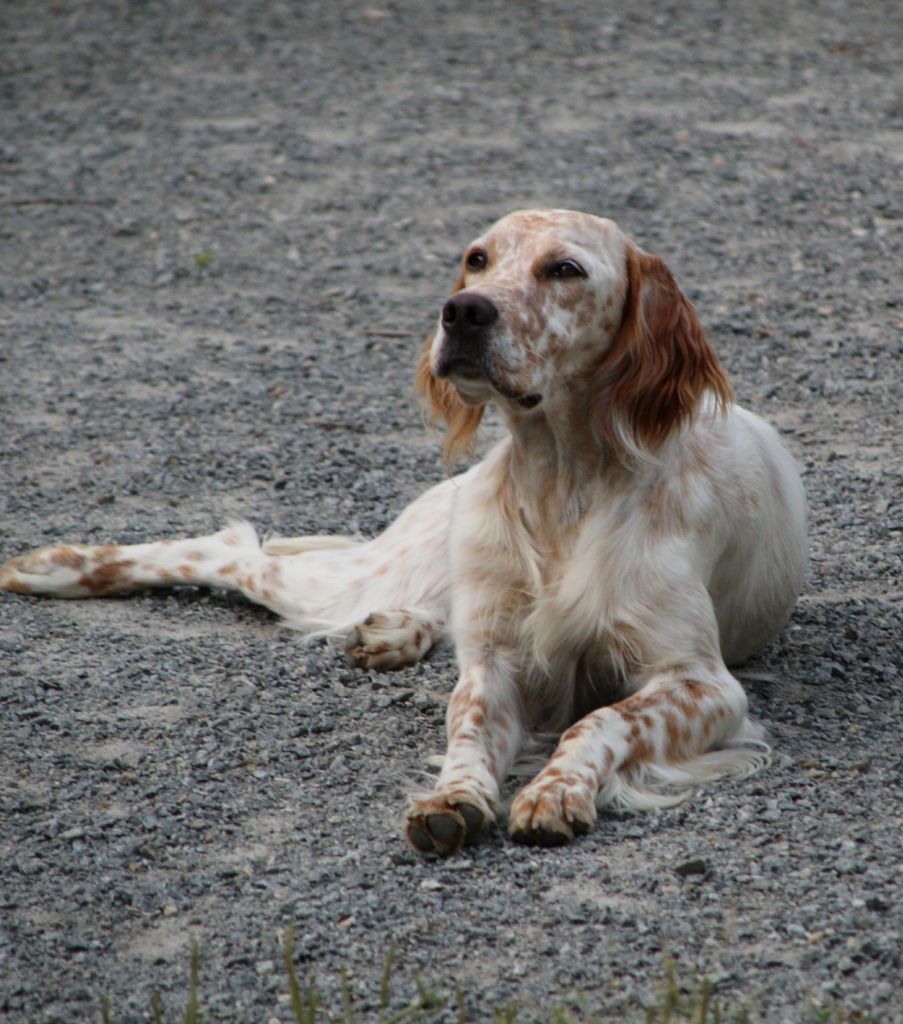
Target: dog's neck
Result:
[554, 467]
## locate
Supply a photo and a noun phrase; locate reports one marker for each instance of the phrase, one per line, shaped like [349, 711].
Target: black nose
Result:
[467, 315]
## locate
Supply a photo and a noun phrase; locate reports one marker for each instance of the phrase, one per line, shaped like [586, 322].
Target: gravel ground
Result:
[225, 229]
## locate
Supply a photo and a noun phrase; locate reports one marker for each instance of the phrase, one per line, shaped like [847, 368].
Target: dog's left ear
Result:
[443, 404]
[660, 365]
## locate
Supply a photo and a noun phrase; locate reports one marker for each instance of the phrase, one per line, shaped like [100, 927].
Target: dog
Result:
[634, 534]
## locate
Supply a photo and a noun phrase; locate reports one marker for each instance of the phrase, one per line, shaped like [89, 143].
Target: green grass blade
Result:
[312, 1000]
[347, 1000]
[385, 980]
[192, 1011]
[459, 1004]
[704, 993]
[293, 987]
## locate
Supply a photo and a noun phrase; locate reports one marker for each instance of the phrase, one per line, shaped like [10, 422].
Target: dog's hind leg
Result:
[232, 559]
[389, 596]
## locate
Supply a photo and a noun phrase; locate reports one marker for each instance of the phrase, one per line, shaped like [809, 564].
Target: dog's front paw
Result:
[552, 810]
[443, 824]
[389, 640]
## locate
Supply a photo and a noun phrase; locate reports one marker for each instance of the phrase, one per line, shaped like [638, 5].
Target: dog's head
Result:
[555, 310]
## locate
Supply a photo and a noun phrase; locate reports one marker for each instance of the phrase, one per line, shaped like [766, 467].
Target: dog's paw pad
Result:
[438, 826]
[437, 833]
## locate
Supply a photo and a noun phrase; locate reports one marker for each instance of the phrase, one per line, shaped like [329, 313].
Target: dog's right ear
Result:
[442, 403]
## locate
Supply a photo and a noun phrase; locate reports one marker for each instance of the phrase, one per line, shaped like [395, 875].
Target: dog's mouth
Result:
[466, 371]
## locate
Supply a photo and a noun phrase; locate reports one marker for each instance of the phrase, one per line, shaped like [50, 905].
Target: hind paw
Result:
[389, 640]
[69, 570]
[53, 571]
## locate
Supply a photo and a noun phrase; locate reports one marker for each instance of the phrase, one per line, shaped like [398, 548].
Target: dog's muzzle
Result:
[467, 319]
[467, 322]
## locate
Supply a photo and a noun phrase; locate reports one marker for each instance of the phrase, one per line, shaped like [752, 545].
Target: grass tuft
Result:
[674, 1004]
[304, 1004]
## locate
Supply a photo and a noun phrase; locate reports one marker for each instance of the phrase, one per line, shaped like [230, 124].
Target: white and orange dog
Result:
[634, 534]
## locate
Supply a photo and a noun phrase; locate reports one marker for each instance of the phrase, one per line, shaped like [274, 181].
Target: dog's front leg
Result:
[485, 730]
[679, 714]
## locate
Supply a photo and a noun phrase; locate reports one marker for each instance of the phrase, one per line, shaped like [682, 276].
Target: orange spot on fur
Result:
[68, 557]
[641, 750]
[672, 735]
[109, 577]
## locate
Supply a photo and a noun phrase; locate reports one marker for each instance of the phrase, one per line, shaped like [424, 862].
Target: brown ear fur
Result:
[443, 403]
[660, 364]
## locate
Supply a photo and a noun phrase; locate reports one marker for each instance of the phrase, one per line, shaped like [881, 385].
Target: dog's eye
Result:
[566, 270]
[476, 260]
